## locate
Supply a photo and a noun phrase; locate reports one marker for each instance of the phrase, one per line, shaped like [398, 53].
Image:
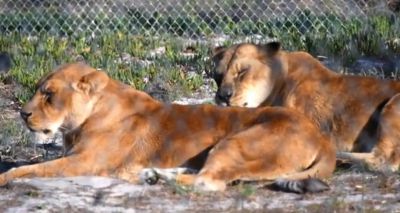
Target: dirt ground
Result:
[352, 189]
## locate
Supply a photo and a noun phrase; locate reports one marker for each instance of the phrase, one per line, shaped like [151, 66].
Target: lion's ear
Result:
[93, 82]
[217, 50]
[271, 48]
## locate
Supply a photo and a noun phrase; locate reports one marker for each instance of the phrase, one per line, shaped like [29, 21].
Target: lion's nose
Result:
[25, 115]
[225, 93]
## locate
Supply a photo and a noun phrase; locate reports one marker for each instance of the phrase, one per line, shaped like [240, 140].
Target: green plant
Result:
[12, 133]
[126, 56]
[247, 190]
[180, 189]
[123, 56]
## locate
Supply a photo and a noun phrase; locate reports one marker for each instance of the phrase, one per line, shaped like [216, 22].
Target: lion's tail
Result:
[308, 185]
[308, 180]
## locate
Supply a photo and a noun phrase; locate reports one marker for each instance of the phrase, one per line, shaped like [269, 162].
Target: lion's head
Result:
[63, 99]
[246, 74]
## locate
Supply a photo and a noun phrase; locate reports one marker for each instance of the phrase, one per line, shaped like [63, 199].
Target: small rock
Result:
[358, 187]
[157, 52]
[187, 55]
[219, 40]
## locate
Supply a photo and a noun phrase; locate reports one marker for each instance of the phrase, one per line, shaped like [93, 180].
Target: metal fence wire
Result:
[182, 17]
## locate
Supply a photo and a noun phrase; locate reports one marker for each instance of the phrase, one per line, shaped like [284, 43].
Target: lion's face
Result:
[62, 101]
[244, 73]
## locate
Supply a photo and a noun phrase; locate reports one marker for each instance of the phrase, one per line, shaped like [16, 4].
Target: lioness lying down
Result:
[360, 114]
[111, 129]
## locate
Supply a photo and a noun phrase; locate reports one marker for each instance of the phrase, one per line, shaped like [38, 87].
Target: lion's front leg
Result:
[75, 165]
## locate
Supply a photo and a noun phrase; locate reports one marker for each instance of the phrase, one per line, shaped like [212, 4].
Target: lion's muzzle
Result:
[25, 115]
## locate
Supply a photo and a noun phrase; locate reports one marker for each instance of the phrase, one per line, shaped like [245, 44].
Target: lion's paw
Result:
[207, 184]
[148, 176]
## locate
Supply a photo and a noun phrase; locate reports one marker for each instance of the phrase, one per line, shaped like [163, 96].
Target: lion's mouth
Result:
[221, 102]
[225, 104]
[45, 131]
[31, 129]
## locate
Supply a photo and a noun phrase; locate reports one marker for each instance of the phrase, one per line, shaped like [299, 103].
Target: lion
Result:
[359, 114]
[111, 129]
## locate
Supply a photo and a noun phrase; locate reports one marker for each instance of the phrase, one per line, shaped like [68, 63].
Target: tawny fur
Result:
[111, 129]
[359, 114]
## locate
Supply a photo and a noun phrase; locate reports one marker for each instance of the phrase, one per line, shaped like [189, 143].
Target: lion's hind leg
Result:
[387, 150]
[385, 155]
[292, 160]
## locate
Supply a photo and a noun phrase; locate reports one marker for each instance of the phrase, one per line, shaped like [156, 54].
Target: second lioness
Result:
[360, 114]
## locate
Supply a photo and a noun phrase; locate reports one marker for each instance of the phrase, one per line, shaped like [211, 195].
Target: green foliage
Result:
[247, 190]
[124, 57]
[12, 129]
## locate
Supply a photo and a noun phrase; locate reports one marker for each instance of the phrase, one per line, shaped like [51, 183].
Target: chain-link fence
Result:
[182, 17]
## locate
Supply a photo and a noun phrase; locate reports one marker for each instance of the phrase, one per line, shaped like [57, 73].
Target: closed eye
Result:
[243, 70]
[47, 96]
